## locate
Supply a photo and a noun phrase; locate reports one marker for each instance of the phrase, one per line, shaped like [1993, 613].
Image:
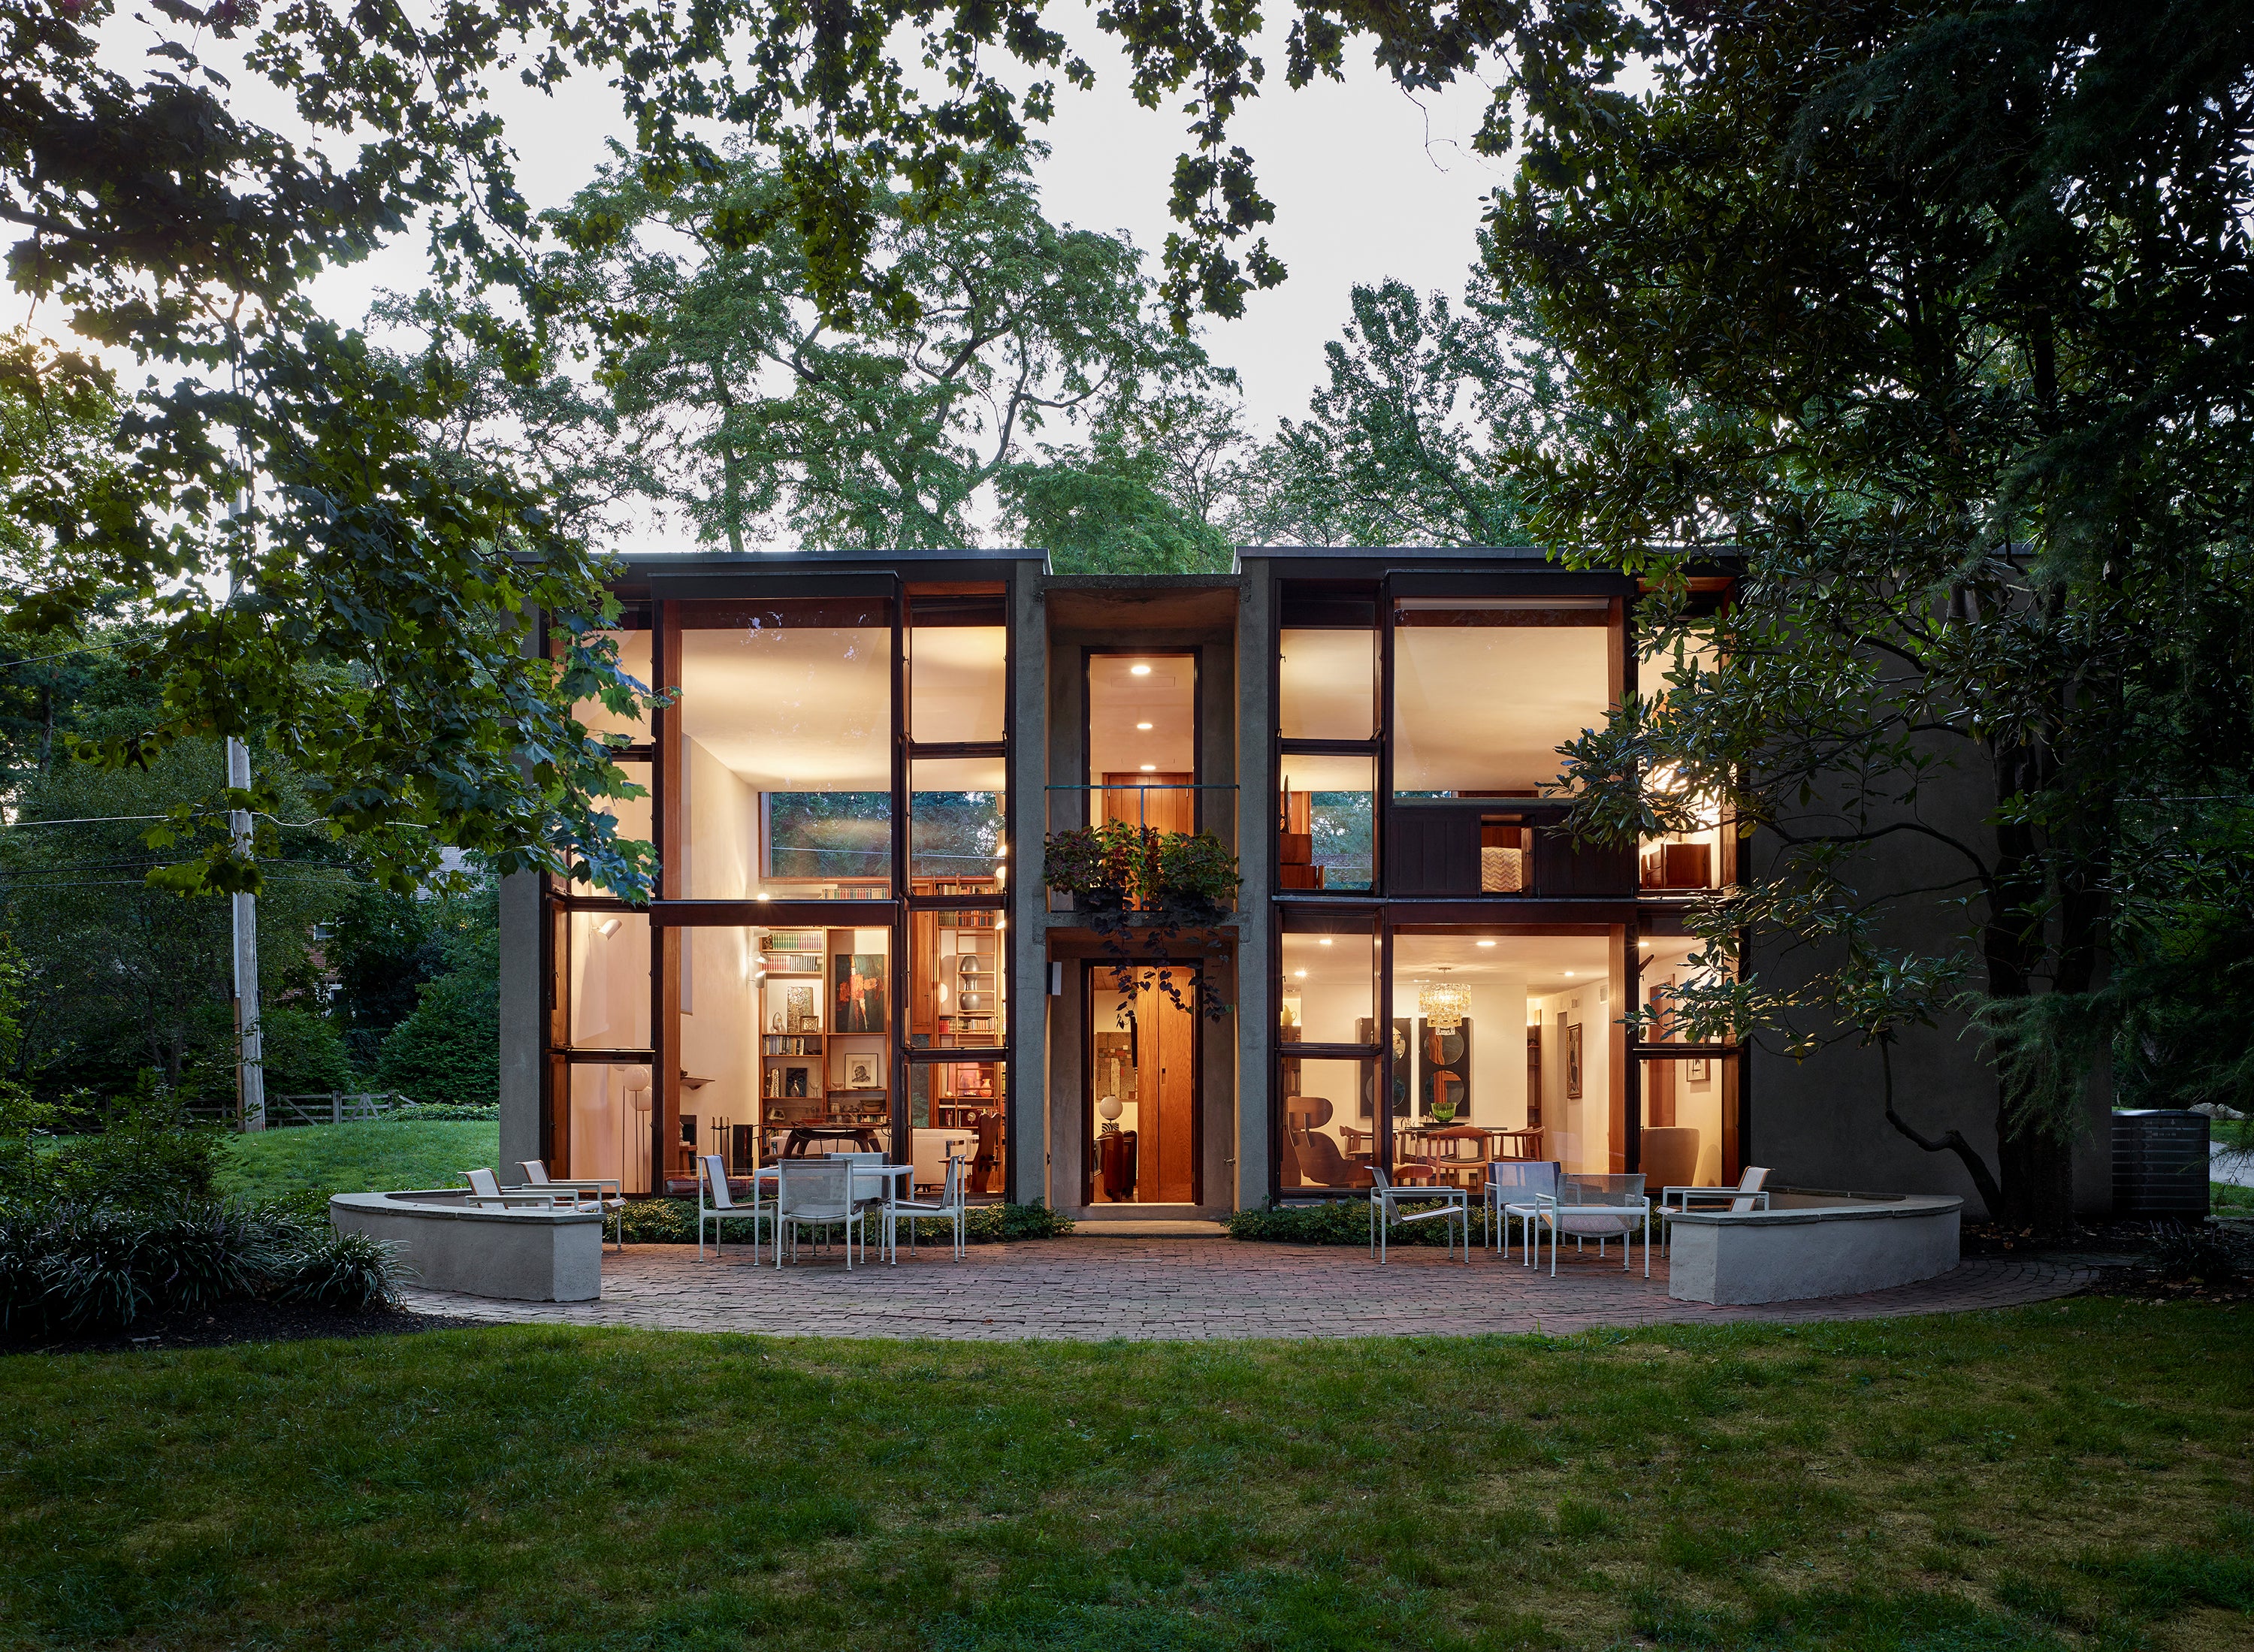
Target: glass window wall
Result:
[1506, 1045]
[605, 972]
[786, 759]
[960, 1109]
[634, 660]
[1329, 989]
[957, 813]
[1328, 831]
[1484, 692]
[1329, 1125]
[824, 999]
[959, 983]
[957, 672]
[1142, 739]
[1326, 684]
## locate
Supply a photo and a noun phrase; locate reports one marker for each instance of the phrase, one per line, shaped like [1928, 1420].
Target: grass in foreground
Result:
[2065, 1476]
[365, 1157]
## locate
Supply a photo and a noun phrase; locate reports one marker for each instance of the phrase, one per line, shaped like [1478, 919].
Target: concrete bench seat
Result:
[1811, 1242]
[519, 1254]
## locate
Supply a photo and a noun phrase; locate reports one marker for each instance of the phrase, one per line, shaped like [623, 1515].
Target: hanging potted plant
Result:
[1197, 879]
[1100, 867]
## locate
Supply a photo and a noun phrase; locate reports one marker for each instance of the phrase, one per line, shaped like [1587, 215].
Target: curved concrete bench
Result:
[1811, 1244]
[523, 1256]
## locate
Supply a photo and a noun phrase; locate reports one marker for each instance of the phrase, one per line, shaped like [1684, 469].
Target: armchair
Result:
[1453, 1205]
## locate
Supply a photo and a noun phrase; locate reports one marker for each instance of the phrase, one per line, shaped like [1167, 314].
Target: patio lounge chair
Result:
[1750, 1194]
[1454, 1207]
[607, 1189]
[717, 1205]
[1512, 1184]
[815, 1193]
[1599, 1207]
[952, 1205]
[486, 1193]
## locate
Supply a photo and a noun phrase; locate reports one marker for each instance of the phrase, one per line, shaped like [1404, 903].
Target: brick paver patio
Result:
[1168, 1290]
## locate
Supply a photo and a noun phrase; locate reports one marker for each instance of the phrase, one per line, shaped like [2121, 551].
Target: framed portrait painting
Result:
[1573, 1060]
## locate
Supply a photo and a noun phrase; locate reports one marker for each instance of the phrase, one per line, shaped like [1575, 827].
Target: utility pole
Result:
[249, 1074]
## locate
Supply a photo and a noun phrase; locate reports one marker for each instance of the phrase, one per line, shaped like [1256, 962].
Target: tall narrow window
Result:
[1142, 739]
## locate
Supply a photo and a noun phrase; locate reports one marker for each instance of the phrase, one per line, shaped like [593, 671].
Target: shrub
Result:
[673, 1221]
[1338, 1221]
[444, 1113]
[145, 1154]
[300, 1052]
[2199, 1253]
[76, 1267]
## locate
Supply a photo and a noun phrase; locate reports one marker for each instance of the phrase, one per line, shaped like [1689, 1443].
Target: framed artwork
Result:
[1573, 1060]
[1695, 1070]
[794, 1080]
[1444, 1075]
[798, 1010]
[860, 1072]
[857, 995]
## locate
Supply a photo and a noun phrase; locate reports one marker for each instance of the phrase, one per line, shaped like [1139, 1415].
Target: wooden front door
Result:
[1171, 809]
[1145, 1052]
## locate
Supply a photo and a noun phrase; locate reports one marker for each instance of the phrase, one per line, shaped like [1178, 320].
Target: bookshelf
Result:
[813, 1071]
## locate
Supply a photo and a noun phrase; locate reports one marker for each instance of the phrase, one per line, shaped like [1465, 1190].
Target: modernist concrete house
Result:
[850, 793]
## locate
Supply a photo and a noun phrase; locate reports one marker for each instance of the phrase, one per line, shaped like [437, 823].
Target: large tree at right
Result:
[1941, 316]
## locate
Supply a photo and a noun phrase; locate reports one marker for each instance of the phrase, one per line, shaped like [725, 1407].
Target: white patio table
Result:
[871, 1178]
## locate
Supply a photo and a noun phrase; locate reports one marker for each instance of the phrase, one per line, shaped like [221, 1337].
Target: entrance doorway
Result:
[1142, 1086]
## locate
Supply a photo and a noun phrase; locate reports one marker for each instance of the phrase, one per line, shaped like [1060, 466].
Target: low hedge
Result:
[73, 1267]
[673, 1221]
[1343, 1221]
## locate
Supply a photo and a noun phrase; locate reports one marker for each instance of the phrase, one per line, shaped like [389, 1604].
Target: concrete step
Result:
[1103, 1227]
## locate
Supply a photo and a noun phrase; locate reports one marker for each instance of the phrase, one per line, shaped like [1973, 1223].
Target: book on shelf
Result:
[793, 941]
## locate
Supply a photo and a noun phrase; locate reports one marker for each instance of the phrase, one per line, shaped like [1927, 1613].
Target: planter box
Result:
[518, 1255]
[1811, 1244]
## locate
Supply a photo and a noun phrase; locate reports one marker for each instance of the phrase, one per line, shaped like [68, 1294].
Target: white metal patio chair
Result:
[814, 1192]
[1385, 1200]
[953, 1206]
[1512, 1184]
[1599, 1207]
[1750, 1194]
[608, 1189]
[717, 1205]
[486, 1193]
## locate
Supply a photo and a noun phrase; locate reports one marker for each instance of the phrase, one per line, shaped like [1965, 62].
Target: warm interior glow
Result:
[1138, 671]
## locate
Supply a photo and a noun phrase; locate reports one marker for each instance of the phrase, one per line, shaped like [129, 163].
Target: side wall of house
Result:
[1821, 1122]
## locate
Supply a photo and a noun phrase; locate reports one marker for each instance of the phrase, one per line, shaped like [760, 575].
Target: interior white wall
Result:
[1577, 1133]
[719, 1040]
[722, 839]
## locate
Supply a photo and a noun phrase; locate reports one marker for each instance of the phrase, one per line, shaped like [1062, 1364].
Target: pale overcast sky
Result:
[1368, 183]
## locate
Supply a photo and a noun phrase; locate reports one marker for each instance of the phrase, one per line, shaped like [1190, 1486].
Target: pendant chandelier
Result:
[1442, 1004]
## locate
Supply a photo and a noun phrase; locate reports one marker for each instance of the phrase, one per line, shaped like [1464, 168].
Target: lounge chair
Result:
[1384, 1211]
[607, 1189]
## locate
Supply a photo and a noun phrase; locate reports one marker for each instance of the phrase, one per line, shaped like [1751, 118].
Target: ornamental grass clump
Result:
[76, 1268]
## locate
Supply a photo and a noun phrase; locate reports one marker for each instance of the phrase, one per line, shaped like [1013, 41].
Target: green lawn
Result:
[2072, 1476]
[356, 1159]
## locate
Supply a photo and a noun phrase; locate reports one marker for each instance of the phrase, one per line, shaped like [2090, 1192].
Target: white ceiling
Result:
[957, 678]
[1327, 683]
[1483, 707]
[791, 710]
[1537, 962]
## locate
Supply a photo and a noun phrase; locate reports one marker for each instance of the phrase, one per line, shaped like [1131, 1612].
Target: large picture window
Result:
[1485, 691]
[786, 746]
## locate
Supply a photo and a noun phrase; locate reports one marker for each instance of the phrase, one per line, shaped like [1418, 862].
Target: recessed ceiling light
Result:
[1325, 942]
[1138, 671]
[1150, 768]
[1145, 727]
[1486, 943]
[1569, 975]
[1301, 974]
